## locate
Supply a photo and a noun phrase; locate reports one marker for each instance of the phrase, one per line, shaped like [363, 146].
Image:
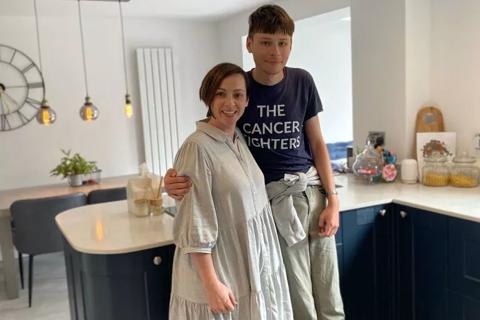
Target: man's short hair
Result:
[270, 19]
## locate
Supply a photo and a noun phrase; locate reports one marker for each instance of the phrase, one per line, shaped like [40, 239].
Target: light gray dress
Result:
[226, 213]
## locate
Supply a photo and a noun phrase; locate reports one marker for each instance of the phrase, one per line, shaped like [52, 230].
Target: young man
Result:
[282, 129]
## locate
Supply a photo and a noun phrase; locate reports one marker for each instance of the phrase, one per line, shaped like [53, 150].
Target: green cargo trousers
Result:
[311, 264]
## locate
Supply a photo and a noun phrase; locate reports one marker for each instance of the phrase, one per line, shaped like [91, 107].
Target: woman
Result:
[227, 263]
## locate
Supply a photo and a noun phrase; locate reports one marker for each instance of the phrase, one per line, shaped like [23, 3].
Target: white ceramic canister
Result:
[409, 171]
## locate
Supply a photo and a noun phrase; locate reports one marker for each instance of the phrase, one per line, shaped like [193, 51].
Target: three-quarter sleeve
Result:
[195, 225]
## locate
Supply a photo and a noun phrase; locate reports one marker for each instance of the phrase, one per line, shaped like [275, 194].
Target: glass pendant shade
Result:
[88, 112]
[46, 115]
[128, 106]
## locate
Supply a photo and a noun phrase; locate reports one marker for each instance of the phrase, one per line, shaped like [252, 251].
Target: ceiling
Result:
[191, 9]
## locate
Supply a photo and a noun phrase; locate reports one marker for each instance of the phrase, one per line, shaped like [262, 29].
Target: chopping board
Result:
[429, 119]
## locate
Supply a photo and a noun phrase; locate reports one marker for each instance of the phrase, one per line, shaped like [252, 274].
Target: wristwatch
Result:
[334, 192]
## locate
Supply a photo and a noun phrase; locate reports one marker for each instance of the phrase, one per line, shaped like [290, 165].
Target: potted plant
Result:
[73, 168]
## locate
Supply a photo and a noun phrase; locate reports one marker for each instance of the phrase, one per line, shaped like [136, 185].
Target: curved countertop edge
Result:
[108, 228]
[118, 251]
[133, 234]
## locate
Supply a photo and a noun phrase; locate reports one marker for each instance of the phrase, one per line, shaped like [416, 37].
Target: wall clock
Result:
[22, 88]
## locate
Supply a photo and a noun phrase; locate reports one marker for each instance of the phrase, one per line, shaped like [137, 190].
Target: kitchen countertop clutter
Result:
[463, 203]
[109, 228]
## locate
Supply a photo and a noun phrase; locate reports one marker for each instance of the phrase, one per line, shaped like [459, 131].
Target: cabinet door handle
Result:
[382, 212]
[157, 260]
[403, 214]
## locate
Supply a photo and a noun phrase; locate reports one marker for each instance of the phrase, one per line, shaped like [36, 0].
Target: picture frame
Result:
[435, 144]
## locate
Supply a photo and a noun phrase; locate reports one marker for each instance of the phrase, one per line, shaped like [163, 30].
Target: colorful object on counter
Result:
[389, 172]
[389, 157]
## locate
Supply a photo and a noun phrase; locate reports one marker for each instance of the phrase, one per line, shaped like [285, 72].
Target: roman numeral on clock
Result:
[34, 103]
[4, 123]
[22, 117]
[34, 85]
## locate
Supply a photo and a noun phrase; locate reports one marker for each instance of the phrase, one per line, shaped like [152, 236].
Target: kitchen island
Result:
[405, 252]
[118, 265]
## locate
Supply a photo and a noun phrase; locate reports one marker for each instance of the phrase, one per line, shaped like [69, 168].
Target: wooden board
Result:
[429, 119]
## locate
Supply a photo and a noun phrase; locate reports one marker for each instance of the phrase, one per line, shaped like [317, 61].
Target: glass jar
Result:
[368, 165]
[435, 171]
[464, 173]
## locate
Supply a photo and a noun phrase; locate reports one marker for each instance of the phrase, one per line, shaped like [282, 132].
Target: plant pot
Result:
[75, 180]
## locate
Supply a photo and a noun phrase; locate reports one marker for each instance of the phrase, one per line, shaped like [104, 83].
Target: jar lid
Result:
[436, 158]
[464, 158]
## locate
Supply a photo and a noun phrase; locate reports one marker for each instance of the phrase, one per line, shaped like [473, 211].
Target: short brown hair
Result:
[212, 80]
[271, 19]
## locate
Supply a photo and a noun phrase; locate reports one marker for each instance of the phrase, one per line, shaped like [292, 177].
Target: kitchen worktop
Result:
[456, 202]
[108, 228]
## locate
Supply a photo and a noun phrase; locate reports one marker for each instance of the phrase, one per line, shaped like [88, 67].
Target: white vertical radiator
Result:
[159, 107]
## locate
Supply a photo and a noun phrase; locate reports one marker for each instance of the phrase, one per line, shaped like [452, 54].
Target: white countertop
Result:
[457, 202]
[108, 228]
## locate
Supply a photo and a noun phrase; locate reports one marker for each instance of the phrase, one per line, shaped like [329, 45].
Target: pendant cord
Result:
[38, 34]
[83, 47]
[123, 46]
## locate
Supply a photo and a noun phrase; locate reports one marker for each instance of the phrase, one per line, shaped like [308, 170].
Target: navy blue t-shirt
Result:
[273, 123]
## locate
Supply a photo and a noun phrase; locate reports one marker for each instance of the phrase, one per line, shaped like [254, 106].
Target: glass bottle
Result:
[368, 165]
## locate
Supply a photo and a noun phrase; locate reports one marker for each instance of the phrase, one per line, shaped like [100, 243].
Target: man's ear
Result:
[249, 44]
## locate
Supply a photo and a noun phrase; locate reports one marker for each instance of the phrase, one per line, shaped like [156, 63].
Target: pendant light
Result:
[45, 115]
[128, 109]
[88, 111]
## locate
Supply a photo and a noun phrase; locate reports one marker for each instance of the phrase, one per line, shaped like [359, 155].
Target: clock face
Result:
[21, 88]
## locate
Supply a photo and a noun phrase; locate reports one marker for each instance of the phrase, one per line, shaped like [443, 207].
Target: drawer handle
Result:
[157, 260]
[382, 212]
[403, 214]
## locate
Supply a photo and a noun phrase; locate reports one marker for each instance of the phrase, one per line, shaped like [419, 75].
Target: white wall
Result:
[116, 143]
[412, 53]
[418, 56]
[231, 29]
[455, 71]
[328, 57]
[378, 61]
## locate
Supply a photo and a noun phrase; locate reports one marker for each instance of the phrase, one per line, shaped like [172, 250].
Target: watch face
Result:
[21, 88]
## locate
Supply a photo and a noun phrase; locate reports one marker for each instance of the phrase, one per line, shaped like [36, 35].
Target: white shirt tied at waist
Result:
[284, 213]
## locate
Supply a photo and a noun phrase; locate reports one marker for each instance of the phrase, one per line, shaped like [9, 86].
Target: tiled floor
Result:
[50, 297]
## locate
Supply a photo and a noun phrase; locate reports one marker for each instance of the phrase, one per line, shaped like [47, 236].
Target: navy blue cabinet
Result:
[367, 264]
[421, 261]
[119, 286]
[464, 269]
[394, 264]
